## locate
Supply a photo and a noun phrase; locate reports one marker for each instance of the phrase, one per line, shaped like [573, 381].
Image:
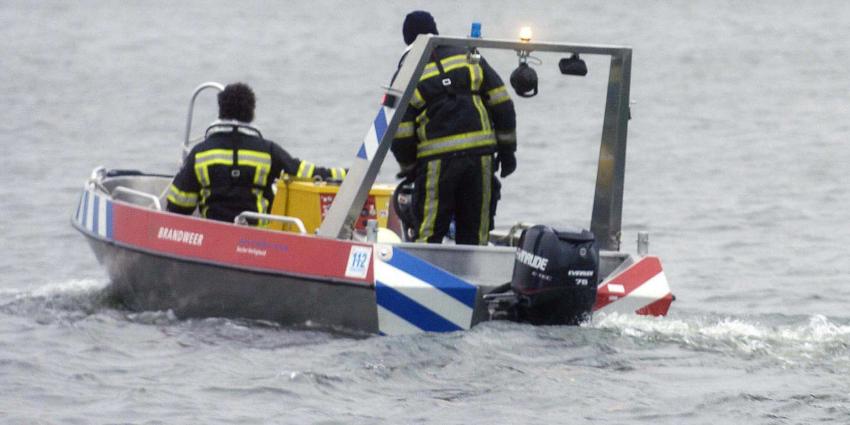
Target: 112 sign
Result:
[358, 261]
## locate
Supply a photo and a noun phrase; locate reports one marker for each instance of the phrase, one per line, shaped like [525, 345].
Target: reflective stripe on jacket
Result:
[465, 108]
[231, 172]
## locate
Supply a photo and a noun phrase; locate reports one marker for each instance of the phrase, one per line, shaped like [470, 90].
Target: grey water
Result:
[738, 155]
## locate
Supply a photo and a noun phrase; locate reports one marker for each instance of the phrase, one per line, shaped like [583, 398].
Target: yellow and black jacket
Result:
[459, 107]
[233, 171]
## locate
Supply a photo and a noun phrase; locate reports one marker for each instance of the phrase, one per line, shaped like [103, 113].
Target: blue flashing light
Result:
[475, 31]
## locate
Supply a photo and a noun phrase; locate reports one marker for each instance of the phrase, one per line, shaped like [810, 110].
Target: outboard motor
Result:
[554, 279]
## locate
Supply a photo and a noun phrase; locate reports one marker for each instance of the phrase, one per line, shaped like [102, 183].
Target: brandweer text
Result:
[182, 236]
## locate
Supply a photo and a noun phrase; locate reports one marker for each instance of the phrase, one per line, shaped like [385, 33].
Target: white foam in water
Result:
[73, 286]
[791, 343]
[153, 317]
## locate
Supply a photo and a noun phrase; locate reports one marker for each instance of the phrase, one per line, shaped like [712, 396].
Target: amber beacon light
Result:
[525, 34]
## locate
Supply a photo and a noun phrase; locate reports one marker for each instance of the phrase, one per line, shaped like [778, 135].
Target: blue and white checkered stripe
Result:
[414, 296]
[94, 213]
[376, 133]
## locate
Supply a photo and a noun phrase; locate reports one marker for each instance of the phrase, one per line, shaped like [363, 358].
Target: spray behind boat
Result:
[554, 279]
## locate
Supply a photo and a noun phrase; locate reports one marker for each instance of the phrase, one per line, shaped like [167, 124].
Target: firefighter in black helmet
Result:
[460, 116]
[234, 168]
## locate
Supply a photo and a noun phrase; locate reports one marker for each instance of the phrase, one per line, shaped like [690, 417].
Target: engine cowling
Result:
[555, 276]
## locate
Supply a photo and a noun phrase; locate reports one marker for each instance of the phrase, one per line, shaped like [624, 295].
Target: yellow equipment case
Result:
[310, 201]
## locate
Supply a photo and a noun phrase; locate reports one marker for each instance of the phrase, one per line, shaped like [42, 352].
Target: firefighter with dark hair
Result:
[234, 168]
[459, 117]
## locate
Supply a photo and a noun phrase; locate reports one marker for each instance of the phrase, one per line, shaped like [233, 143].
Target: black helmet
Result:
[524, 80]
[418, 22]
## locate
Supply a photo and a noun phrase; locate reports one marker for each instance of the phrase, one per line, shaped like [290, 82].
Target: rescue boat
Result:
[336, 256]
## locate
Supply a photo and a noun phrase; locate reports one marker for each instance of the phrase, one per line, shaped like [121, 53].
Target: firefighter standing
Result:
[459, 117]
[234, 168]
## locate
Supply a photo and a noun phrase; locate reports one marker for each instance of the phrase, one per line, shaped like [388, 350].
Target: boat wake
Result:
[781, 341]
[791, 341]
[67, 301]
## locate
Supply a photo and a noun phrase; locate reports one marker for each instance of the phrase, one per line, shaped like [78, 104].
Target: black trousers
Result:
[459, 187]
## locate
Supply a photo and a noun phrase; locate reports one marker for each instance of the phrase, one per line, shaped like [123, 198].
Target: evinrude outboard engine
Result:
[554, 278]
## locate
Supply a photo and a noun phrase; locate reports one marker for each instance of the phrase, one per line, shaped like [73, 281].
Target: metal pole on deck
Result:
[607, 215]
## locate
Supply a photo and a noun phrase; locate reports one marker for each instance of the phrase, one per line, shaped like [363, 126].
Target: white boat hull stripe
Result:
[411, 311]
[94, 213]
[420, 294]
[392, 324]
[423, 294]
[647, 293]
